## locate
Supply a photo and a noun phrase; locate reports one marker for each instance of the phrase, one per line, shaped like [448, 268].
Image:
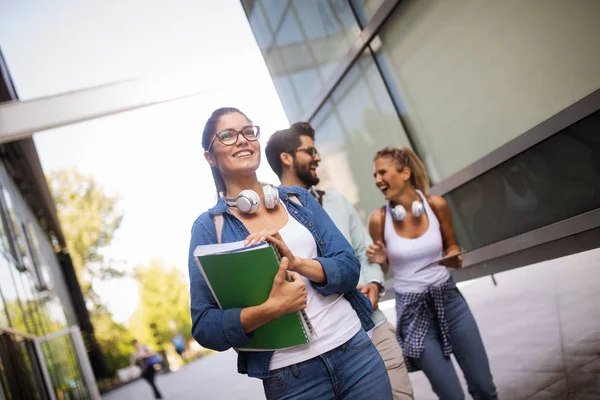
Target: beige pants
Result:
[384, 338]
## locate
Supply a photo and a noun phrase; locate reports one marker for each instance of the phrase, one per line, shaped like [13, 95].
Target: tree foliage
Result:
[114, 339]
[89, 218]
[164, 301]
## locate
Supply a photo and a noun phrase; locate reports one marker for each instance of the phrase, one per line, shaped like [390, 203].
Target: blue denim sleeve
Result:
[212, 327]
[339, 262]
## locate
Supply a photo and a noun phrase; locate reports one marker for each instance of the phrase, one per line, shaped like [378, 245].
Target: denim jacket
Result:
[220, 329]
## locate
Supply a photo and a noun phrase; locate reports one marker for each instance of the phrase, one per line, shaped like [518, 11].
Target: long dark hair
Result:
[207, 136]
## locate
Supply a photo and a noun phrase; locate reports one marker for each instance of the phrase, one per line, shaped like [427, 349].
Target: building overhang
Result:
[23, 165]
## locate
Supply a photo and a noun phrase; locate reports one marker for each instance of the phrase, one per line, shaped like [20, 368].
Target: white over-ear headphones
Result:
[248, 201]
[399, 212]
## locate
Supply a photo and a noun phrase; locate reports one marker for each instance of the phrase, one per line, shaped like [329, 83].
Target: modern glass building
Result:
[500, 100]
[42, 351]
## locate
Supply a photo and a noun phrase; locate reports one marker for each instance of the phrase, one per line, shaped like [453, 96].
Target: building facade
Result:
[500, 100]
[42, 351]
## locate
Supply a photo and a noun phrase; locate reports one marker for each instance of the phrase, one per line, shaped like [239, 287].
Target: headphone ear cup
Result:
[271, 196]
[247, 201]
[417, 208]
[399, 213]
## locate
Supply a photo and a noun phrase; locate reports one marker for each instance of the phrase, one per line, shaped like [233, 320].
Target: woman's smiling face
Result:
[243, 156]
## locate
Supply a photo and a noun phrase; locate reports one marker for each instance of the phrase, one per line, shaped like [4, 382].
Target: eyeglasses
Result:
[229, 137]
[311, 151]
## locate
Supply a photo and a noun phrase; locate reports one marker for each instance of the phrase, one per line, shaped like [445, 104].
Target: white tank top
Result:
[333, 318]
[406, 256]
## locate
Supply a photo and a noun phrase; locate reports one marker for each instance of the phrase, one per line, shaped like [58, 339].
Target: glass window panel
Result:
[309, 44]
[350, 129]
[331, 140]
[365, 9]
[64, 368]
[12, 300]
[14, 226]
[4, 317]
[33, 248]
[319, 21]
[472, 75]
[307, 83]
[289, 32]
[533, 189]
[4, 233]
[28, 301]
[274, 10]
[256, 17]
[286, 92]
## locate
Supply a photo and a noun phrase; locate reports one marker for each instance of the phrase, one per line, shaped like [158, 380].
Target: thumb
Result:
[283, 266]
[380, 244]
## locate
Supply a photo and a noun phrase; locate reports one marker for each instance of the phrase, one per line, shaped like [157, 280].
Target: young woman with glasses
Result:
[341, 363]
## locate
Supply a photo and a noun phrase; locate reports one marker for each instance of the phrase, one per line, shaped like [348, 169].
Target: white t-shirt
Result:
[332, 317]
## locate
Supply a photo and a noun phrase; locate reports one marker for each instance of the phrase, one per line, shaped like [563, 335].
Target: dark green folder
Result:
[241, 277]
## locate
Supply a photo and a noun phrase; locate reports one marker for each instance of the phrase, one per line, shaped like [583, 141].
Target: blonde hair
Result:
[406, 158]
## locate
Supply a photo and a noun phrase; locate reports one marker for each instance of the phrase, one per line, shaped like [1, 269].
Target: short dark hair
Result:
[303, 129]
[207, 136]
[286, 141]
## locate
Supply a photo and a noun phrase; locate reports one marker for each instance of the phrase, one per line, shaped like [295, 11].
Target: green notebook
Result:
[242, 276]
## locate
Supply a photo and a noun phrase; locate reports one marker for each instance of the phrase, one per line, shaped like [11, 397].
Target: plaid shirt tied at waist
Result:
[415, 311]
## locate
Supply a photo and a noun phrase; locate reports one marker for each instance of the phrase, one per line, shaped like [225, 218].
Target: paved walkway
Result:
[541, 327]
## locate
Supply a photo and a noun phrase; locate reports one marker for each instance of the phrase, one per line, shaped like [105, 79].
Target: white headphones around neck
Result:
[399, 212]
[248, 201]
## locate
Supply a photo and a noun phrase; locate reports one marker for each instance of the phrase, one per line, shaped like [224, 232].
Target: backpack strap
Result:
[317, 194]
[218, 226]
[293, 198]
[320, 194]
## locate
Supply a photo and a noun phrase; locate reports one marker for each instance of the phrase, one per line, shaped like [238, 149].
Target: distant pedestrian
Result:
[146, 360]
[179, 344]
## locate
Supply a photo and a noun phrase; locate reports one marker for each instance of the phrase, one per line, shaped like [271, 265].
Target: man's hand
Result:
[372, 292]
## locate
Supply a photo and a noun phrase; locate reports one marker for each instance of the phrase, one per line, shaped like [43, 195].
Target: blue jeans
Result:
[353, 371]
[468, 349]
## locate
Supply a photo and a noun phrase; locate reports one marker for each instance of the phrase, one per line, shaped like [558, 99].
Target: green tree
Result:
[89, 218]
[115, 340]
[164, 300]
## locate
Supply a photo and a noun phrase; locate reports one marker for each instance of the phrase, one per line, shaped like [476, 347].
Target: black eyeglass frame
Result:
[237, 137]
[311, 151]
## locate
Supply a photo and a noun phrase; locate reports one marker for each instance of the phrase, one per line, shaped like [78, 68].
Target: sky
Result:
[151, 157]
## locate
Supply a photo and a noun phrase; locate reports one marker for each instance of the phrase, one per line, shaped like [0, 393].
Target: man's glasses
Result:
[229, 137]
[311, 151]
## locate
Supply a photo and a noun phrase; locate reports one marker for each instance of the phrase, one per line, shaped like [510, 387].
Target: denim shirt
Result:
[221, 330]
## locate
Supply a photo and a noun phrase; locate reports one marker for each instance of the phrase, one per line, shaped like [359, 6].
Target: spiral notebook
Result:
[242, 276]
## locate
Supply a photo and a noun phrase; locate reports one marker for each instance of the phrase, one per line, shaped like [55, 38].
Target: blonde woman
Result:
[411, 231]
